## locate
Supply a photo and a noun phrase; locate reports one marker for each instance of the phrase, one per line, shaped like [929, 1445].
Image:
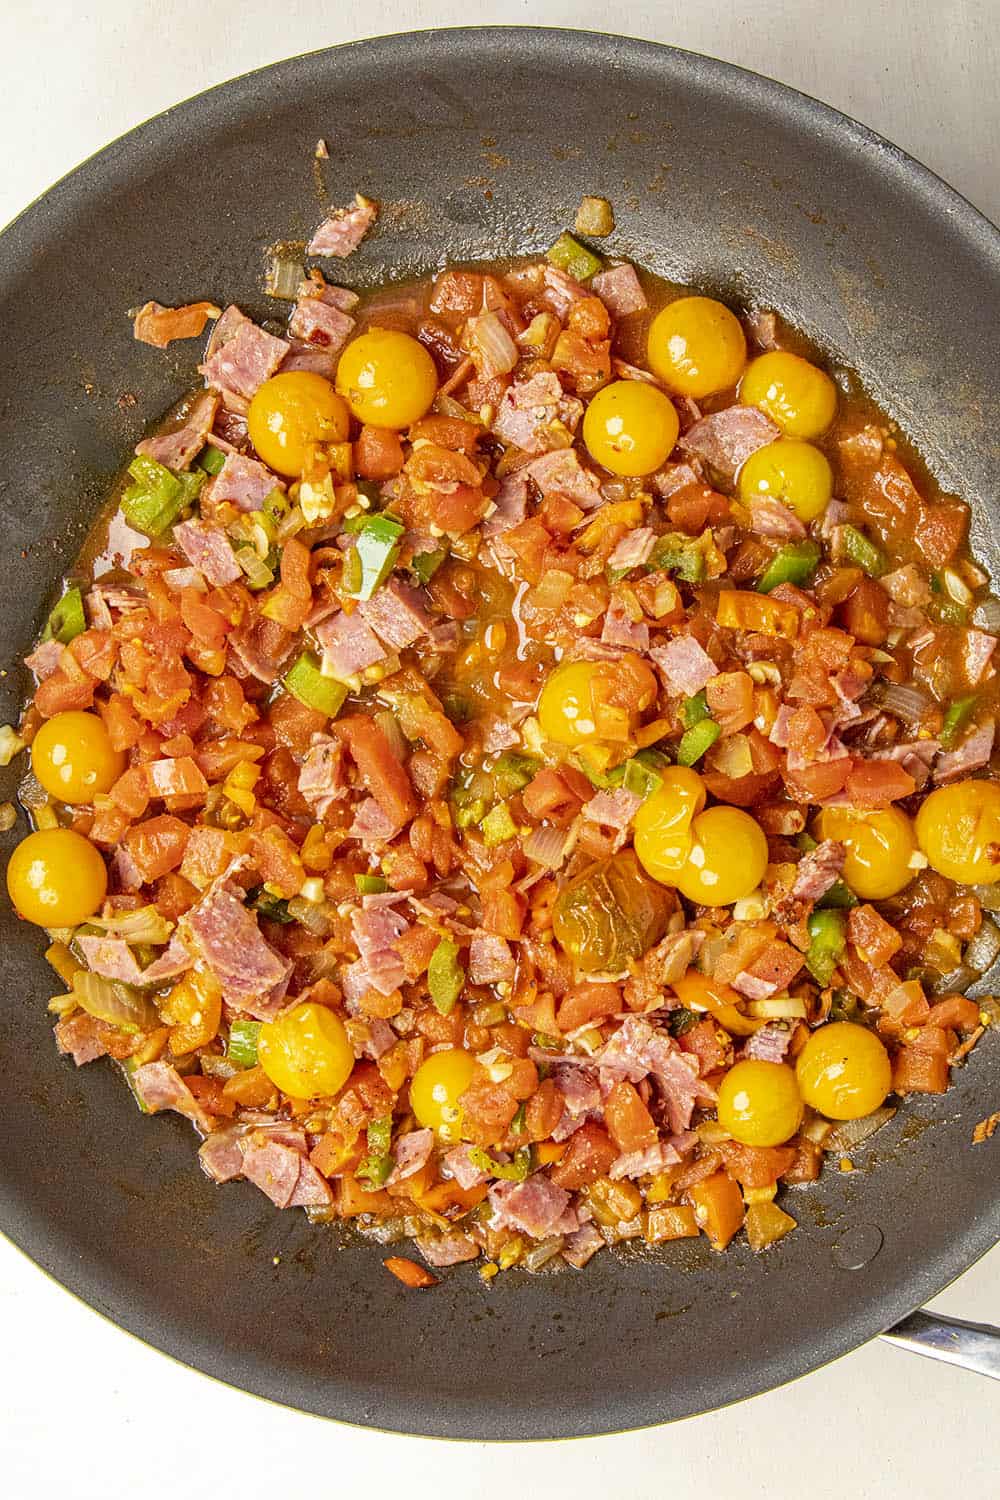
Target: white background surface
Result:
[87, 1413]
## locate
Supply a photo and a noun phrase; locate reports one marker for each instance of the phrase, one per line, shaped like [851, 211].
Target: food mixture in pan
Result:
[514, 766]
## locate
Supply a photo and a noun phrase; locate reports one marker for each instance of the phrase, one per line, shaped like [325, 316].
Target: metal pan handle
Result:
[974, 1346]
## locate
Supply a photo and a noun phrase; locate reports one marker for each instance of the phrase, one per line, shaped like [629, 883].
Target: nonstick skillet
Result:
[479, 143]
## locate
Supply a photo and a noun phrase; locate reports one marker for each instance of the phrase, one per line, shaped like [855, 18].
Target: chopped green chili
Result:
[512, 772]
[575, 259]
[158, 496]
[370, 885]
[373, 555]
[520, 1121]
[377, 1165]
[958, 715]
[805, 842]
[862, 552]
[425, 564]
[498, 826]
[681, 1020]
[642, 773]
[695, 709]
[242, 1049]
[211, 459]
[305, 681]
[681, 555]
[604, 781]
[945, 611]
[67, 620]
[795, 563]
[696, 741]
[827, 940]
[514, 1171]
[274, 908]
[839, 896]
[445, 976]
[548, 1043]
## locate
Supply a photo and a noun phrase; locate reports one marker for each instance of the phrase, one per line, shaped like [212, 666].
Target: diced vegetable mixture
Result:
[525, 781]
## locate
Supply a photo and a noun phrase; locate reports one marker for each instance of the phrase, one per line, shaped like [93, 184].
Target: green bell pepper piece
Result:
[305, 681]
[211, 459]
[370, 885]
[158, 496]
[68, 619]
[445, 976]
[958, 715]
[242, 1048]
[696, 740]
[795, 563]
[498, 826]
[862, 552]
[514, 1171]
[374, 554]
[568, 255]
[695, 709]
[827, 940]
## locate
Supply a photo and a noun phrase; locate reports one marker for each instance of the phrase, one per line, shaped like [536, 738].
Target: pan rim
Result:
[31, 1230]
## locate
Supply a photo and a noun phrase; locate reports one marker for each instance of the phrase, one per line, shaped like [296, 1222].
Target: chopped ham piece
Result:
[979, 648]
[220, 1156]
[342, 232]
[510, 503]
[772, 519]
[380, 1037]
[172, 962]
[620, 629]
[971, 755]
[685, 665]
[396, 613]
[633, 550]
[159, 326]
[160, 1086]
[534, 1207]
[907, 586]
[726, 439]
[283, 1173]
[371, 825]
[111, 958]
[915, 756]
[770, 1043]
[241, 357]
[464, 1171]
[582, 1245]
[45, 659]
[176, 450]
[536, 414]
[762, 326]
[625, 371]
[562, 290]
[78, 1037]
[311, 358]
[252, 975]
[620, 290]
[490, 960]
[674, 477]
[316, 321]
[819, 870]
[562, 473]
[578, 1084]
[613, 809]
[244, 482]
[636, 1051]
[446, 1249]
[208, 549]
[376, 931]
[650, 1159]
[413, 1151]
[322, 781]
[349, 644]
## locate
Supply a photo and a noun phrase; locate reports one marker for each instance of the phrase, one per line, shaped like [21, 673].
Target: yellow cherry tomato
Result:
[436, 1088]
[958, 828]
[56, 878]
[291, 411]
[794, 394]
[759, 1103]
[566, 707]
[791, 471]
[305, 1052]
[727, 859]
[630, 427]
[843, 1071]
[387, 378]
[662, 827]
[72, 757]
[696, 346]
[879, 844]
[193, 1011]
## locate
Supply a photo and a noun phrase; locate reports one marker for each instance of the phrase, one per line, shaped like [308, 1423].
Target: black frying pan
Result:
[479, 143]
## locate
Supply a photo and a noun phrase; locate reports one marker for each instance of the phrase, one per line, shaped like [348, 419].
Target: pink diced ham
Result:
[447, 1249]
[509, 505]
[46, 658]
[160, 1086]
[613, 809]
[490, 960]
[372, 825]
[341, 232]
[208, 549]
[225, 934]
[241, 357]
[971, 755]
[534, 1207]
[349, 644]
[819, 870]
[726, 439]
[772, 519]
[176, 450]
[243, 482]
[220, 1156]
[464, 1171]
[633, 550]
[619, 629]
[78, 1037]
[322, 779]
[582, 1245]
[530, 411]
[562, 473]
[413, 1151]
[620, 290]
[685, 664]
[397, 614]
[769, 1044]
[655, 1158]
[978, 649]
[317, 322]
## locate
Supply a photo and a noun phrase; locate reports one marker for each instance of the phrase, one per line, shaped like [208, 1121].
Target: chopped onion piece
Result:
[987, 615]
[905, 701]
[955, 587]
[543, 1253]
[547, 846]
[778, 1008]
[145, 925]
[848, 1134]
[988, 896]
[955, 982]
[11, 744]
[115, 1003]
[318, 919]
[284, 276]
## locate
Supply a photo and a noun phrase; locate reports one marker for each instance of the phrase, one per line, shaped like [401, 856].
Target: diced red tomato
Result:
[157, 845]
